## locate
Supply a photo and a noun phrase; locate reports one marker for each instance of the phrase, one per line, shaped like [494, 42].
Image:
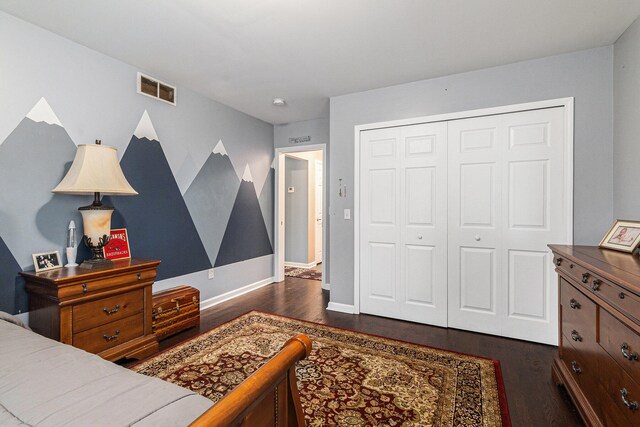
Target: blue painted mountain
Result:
[157, 220]
[9, 270]
[246, 235]
[33, 160]
[266, 202]
[210, 198]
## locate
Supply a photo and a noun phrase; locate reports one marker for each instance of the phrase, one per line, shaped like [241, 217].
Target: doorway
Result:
[300, 233]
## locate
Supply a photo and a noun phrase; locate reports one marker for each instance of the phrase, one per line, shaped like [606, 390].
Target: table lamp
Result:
[96, 171]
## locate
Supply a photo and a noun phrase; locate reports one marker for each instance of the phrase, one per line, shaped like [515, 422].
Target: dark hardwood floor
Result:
[533, 398]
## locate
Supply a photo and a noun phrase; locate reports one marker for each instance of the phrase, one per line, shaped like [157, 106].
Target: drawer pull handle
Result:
[139, 276]
[574, 304]
[585, 277]
[631, 405]
[626, 354]
[111, 337]
[576, 336]
[595, 285]
[84, 288]
[195, 300]
[558, 262]
[177, 304]
[576, 369]
[621, 295]
[110, 312]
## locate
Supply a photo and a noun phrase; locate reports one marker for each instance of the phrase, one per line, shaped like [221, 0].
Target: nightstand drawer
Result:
[96, 313]
[110, 335]
[92, 286]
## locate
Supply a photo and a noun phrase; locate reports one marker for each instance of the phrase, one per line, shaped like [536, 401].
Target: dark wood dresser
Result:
[104, 311]
[598, 357]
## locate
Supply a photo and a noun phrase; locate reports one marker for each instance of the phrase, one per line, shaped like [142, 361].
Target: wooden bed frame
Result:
[269, 397]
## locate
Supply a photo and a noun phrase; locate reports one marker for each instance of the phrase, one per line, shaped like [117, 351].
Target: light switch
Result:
[347, 214]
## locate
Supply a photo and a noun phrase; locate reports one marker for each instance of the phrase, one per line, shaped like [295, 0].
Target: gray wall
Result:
[585, 75]
[296, 210]
[94, 96]
[626, 147]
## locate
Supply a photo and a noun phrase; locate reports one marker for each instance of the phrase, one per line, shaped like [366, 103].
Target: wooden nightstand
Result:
[105, 311]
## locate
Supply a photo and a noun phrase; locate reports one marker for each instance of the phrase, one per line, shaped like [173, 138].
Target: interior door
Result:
[318, 216]
[403, 223]
[507, 202]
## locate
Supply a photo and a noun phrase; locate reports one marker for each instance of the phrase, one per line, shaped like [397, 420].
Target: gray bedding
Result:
[46, 383]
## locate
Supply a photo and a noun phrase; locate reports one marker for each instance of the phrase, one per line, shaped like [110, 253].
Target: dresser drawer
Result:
[110, 335]
[578, 317]
[622, 343]
[579, 370]
[90, 287]
[614, 381]
[96, 313]
[574, 270]
[618, 297]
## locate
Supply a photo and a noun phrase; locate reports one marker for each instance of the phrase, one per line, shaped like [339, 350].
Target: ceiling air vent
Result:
[156, 89]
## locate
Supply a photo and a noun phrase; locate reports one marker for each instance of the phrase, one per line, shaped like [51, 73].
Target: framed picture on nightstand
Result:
[46, 261]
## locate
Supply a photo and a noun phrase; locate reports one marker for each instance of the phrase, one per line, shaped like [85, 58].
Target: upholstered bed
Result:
[46, 383]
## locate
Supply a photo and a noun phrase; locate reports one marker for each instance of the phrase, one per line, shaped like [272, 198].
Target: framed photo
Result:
[47, 261]
[118, 246]
[623, 236]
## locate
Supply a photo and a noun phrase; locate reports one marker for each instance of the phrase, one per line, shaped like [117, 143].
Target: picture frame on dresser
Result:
[623, 236]
[46, 261]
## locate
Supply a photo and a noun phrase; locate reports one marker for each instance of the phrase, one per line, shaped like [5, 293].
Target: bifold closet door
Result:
[507, 202]
[403, 223]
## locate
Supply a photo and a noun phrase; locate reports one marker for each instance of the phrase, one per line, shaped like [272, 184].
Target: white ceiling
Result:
[244, 52]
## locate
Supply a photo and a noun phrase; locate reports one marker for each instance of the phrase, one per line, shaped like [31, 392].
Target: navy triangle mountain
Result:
[10, 300]
[157, 220]
[246, 235]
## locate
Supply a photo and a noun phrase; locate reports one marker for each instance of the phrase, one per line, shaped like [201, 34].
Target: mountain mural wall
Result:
[246, 235]
[210, 198]
[9, 269]
[157, 219]
[266, 200]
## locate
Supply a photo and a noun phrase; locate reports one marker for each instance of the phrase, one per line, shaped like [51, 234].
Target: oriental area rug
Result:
[350, 378]
[303, 273]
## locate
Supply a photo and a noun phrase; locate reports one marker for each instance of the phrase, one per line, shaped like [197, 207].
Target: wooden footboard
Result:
[269, 397]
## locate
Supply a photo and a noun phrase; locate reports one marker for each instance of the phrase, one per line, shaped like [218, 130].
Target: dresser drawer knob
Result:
[574, 304]
[576, 336]
[575, 368]
[626, 353]
[621, 295]
[595, 285]
[624, 394]
[85, 289]
[111, 337]
[139, 276]
[585, 277]
[558, 262]
[113, 311]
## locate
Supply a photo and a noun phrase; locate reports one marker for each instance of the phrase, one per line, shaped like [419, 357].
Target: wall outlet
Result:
[347, 214]
[211, 273]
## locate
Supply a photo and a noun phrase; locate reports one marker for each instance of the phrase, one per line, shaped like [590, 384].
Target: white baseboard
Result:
[342, 308]
[235, 293]
[326, 286]
[300, 265]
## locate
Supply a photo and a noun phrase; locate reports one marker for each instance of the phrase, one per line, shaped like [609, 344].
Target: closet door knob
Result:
[477, 237]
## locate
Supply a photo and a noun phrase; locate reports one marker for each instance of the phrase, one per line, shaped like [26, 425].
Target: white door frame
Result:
[567, 103]
[278, 217]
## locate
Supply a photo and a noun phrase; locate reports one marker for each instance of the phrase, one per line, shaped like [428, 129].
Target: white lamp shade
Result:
[95, 169]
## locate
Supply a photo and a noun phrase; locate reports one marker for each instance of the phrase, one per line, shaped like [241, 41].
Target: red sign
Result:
[118, 246]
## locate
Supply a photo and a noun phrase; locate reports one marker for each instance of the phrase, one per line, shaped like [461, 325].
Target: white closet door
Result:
[403, 223]
[507, 202]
